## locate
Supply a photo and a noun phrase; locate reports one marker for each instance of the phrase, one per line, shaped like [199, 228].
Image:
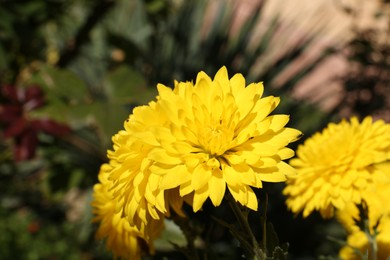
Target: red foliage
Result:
[17, 124]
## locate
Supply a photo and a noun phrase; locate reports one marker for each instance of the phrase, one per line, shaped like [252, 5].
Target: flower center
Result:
[215, 140]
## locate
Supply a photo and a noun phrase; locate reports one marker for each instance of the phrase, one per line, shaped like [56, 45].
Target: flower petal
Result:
[217, 187]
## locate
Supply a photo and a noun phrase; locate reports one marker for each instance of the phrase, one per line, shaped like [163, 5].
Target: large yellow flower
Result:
[122, 238]
[195, 140]
[337, 165]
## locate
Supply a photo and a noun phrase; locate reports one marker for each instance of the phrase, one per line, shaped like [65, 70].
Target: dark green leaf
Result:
[124, 86]
[61, 84]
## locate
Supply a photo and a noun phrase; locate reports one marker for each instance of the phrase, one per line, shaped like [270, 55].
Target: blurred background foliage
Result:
[71, 72]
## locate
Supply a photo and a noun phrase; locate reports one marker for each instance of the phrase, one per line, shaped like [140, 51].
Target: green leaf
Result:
[124, 85]
[129, 20]
[272, 238]
[60, 84]
[274, 249]
[110, 118]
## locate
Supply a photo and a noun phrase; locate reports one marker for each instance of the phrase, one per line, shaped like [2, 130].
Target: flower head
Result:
[122, 238]
[195, 141]
[337, 165]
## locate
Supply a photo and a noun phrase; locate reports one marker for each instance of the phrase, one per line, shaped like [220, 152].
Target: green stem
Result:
[255, 252]
[265, 224]
[373, 245]
[191, 252]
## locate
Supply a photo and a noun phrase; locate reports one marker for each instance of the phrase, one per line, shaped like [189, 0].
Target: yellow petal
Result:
[174, 177]
[146, 137]
[271, 177]
[164, 92]
[286, 169]
[200, 197]
[239, 194]
[217, 187]
[222, 78]
[237, 83]
[285, 153]
[252, 199]
[230, 176]
[278, 122]
[160, 202]
[201, 176]
[185, 189]
[160, 155]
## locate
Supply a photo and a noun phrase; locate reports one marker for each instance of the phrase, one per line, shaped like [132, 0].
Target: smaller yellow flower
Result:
[358, 240]
[335, 166]
[122, 238]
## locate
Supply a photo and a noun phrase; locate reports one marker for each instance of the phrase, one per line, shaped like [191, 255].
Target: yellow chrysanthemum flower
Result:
[195, 140]
[359, 241]
[122, 238]
[337, 165]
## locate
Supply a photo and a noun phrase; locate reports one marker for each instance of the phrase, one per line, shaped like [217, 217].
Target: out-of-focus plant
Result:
[22, 39]
[367, 82]
[96, 60]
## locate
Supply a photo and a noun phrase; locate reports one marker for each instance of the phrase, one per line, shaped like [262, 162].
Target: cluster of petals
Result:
[123, 239]
[337, 165]
[195, 142]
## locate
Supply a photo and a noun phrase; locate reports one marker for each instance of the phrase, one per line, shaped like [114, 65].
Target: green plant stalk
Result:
[184, 224]
[265, 225]
[373, 245]
[255, 252]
